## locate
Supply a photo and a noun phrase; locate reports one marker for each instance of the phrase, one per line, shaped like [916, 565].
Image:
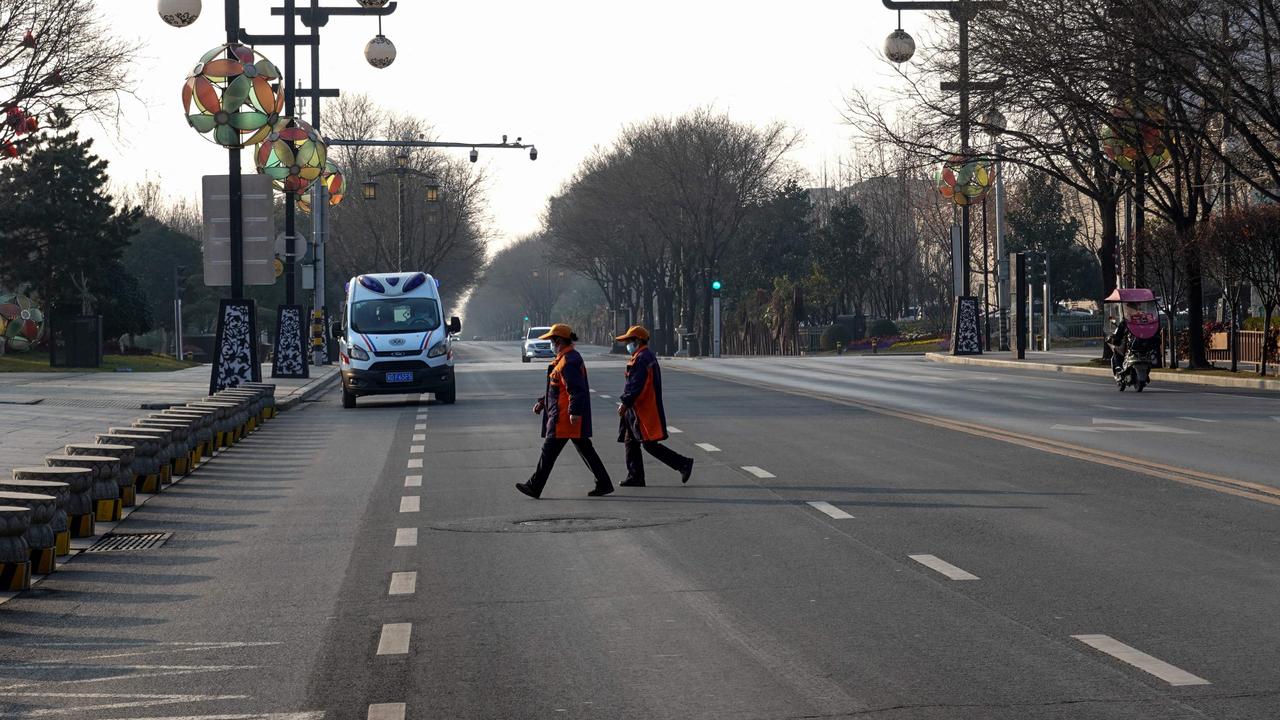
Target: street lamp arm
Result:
[402, 171]
[943, 4]
[321, 16]
[335, 142]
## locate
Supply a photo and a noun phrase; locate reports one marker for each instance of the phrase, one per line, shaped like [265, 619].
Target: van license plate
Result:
[398, 377]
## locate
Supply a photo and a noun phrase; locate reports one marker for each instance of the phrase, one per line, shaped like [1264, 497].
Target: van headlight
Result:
[358, 353]
[438, 349]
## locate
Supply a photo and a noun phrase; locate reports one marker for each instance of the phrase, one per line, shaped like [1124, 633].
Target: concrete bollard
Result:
[202, 421]
[15, 556]
[153, 456]
[256, 397]
[268, 410]
[33, 480]
[124, 477]
[226, 425]
[183, 441]
[241, 403]
[107, 505]
[39, 535]
[80, 499]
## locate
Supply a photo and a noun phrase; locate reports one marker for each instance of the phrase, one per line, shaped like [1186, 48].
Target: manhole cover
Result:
[122, 542]
[558, 524]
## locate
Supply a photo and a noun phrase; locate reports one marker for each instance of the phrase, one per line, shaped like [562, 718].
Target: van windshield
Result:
[387, 316]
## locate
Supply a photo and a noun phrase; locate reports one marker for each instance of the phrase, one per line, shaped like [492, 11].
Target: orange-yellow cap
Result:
[559, 330]
[635, 332]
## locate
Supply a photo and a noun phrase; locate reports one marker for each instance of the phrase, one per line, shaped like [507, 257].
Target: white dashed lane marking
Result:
[420, 426]
[403, 583]
[414, 463]
[410, 504]
[708, 447]
[419, 437]
[673, 430]
[406, 537]
[413, 481]
[606, 397]
[395, 639]
[1142, 661]
[830, 510]
[758, 472]
[933, 562]
[416, 449]
[387, 711]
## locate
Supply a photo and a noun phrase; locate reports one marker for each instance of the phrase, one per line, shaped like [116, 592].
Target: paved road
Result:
[342, 563]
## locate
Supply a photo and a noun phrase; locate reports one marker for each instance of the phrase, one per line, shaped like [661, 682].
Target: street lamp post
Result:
[899, 48]
[401, 169]
[994, 123]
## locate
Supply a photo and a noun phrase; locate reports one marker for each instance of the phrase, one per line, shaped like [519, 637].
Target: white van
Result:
[392, 338]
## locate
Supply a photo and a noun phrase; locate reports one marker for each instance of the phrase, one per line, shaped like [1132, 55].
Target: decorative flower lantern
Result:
[334, 182]
[1135, 124]
[380, 52]
[964, 180]
[21, 322]
[292, 155]
[178, 13]
[233, 96]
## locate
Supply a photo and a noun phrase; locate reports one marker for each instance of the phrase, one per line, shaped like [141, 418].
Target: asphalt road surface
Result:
[844, 550]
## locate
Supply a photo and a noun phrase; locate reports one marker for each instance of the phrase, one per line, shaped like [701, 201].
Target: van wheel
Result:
[448, 397]
[348, 399]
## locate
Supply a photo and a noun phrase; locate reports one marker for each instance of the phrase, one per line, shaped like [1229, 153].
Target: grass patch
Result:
[39, 362]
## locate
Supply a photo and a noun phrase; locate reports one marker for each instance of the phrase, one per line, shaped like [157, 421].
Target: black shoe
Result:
[686, 471]
[600, 491]
[632, 483]
[527, 489]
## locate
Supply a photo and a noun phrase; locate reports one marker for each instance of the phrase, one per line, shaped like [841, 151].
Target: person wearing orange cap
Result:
[644, 421]
[565, 407]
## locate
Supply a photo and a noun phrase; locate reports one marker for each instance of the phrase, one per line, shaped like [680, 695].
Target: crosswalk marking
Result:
[673, 430]
[708, 447]
[387, 711]
[1142, 661]
[830, 510]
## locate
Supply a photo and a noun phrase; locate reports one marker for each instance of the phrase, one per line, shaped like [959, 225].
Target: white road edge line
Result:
[830, 510]
[673, 430]
[413, 481]
[708, 447]
[386, 711]
[933, 562]
[1142, 661]
[410, 503]
[406, 537]
[403, 583]
[395, 639]
[758, 472]
[414, 463]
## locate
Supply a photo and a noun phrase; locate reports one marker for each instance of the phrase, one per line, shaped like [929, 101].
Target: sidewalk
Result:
[1076, 362]
[42, 412]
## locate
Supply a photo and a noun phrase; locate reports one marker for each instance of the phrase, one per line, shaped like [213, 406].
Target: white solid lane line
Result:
[606, 397]
[406, 537]
[403, 583]
[673, 430]
[416, 449]
[395, 639]
[387, 711]
[830, 510]
[414, 463]
[758, 472]
[419, 437]
[413, 481]
[420, 426]
[1142, 661]
[708, 447]
[933, 562]
[1196, 419]
[410, 503]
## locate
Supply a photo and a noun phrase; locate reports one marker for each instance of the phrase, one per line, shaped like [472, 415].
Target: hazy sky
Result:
[564, 74]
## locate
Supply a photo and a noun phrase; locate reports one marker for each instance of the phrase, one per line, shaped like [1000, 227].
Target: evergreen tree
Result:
[1039, 223]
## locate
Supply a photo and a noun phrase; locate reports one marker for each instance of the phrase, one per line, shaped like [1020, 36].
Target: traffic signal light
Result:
[715, 287]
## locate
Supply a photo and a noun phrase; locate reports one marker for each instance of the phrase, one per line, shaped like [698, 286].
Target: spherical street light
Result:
[372, 3]
[899, 46]
[994, 122]
[178, 13]
[380, 52]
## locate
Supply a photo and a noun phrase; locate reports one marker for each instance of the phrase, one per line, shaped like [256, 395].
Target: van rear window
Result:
[388, 316]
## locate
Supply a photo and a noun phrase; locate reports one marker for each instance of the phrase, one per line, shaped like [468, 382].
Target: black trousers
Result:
[664, 454]
[551, 448]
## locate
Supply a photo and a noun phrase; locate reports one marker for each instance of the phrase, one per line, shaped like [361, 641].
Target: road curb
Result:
[309, 391]
[1160, 377]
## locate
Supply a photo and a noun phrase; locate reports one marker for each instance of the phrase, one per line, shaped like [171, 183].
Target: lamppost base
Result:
[289, 358]
[235, 358]
[966, 331]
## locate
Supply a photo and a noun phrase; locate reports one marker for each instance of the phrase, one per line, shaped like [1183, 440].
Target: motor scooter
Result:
[1134, 340]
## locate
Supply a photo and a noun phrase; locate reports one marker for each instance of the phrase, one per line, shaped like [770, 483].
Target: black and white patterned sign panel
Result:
[966, 339]
[291, 344]
[235, 359]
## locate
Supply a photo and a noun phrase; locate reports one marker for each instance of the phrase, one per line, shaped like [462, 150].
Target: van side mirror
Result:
[455, 325]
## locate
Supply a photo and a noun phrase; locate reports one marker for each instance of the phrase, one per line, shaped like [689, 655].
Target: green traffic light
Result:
[526, 318]
[715, 284]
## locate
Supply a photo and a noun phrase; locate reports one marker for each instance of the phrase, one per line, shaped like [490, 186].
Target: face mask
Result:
[631, 348]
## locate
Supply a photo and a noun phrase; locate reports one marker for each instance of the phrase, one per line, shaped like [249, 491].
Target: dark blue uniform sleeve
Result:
[636, 379]
[575, 380]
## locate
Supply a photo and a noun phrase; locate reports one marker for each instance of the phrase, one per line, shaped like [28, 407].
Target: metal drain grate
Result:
[123, 542]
